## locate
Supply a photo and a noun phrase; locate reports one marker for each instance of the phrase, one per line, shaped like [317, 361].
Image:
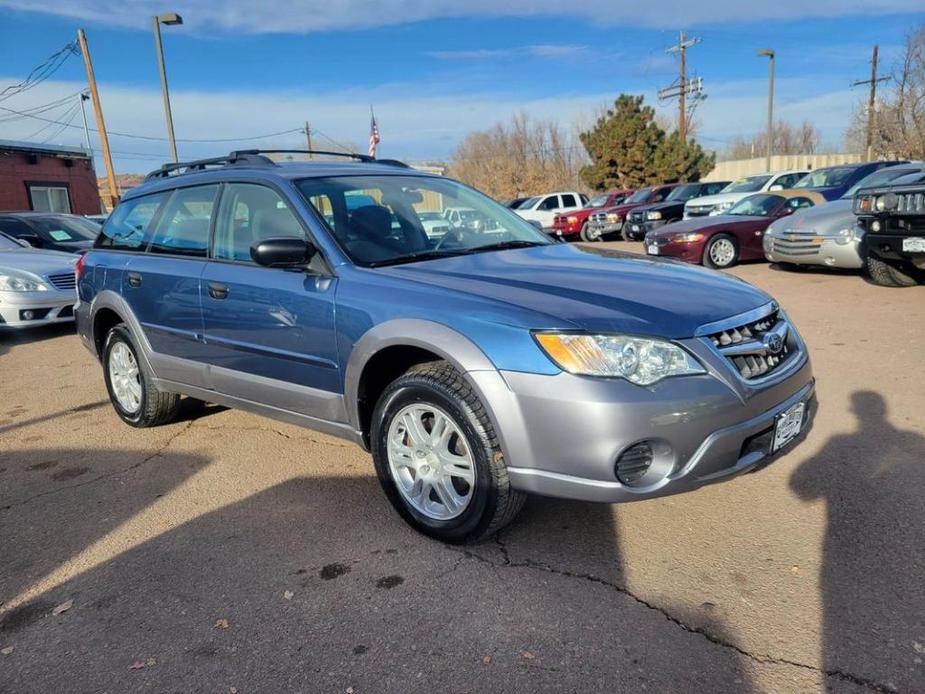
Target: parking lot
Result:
[231, 553]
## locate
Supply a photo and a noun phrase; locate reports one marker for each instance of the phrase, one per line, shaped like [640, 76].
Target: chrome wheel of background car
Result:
[430, 461]
[125, 377]
[722, 252]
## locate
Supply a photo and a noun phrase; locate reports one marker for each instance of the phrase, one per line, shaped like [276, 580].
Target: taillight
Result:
[79, 267]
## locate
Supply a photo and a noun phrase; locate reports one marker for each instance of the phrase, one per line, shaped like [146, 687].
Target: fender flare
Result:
[435, 337]
[108, 299]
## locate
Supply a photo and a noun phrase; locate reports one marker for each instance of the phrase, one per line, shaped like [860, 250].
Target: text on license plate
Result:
[788, 425]
[914, 245]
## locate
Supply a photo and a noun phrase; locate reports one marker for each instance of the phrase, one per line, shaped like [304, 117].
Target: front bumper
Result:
[890, 246]
[33, 309]
[606, 227]
[689, 252]
[813, 250]
[563, 434]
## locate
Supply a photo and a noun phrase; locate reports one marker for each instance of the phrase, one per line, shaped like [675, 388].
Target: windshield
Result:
[601, 200]
[65, 229]
[824, 178]
[8, 244]
[879, 178]
[756, 205]
[747, 185]
[640, 195]
[529, 203]
[682, 193]
[390, 230]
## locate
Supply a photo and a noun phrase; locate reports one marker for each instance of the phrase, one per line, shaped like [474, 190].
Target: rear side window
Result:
[569, 201]
[126, 227]
[249, 213]
[183, 226]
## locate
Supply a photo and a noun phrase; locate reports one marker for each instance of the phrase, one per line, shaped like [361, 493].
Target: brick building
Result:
[47, 178]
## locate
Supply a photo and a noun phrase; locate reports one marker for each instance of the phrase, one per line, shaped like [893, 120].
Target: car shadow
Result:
[9, 337]
[872, 482]
[314, 584]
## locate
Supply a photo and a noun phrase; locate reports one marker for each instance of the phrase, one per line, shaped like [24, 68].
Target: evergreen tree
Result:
[681, 161]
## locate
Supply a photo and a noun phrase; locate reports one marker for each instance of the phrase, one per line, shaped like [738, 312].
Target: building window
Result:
[49, 198]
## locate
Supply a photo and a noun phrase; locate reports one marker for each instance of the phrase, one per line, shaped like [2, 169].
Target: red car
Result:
[610, 220]
[575, 222]
[723, 240]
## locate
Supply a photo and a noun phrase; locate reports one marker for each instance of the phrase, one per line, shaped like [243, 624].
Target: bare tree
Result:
[788, 139]
[899, 118]
[519, 158]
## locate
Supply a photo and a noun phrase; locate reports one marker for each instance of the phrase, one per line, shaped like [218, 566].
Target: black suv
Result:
[893, 218]
[648, 217]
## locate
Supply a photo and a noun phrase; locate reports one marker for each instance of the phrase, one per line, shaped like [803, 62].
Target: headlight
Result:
[690, 237]
[654, 215]
[639, 360]
[613, 217]
[845, 236]
[721, 207]
[19, 283]
[886, 202]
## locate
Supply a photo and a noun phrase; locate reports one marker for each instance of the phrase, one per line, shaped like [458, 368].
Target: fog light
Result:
[28, 315]
[634, 463]
[875, 225]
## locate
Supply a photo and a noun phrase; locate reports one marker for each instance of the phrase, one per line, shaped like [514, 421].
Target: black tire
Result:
[493, 503]
[708, 260]
[156, 406]
[887, 275]
[586, 236]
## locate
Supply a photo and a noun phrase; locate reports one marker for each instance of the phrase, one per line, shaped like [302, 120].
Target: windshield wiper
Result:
[502, 245]
[420, 255]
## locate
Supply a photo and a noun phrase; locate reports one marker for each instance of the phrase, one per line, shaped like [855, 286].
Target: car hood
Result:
[38, 262]
[624, 208]
[593, 289]
[828, 218]
[717, 199]
[664, 205]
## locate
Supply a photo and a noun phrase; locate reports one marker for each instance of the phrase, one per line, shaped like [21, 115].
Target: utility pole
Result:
[83, 96]
[308, 141]
[871, 101]
[683, 87]
[769, 53]
[100, 123]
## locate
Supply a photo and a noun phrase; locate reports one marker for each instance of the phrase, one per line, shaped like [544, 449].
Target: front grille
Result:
[599, 217]
[636, 217]
[910, 203]
[757, 348]
[64, 280]
[698, 210]
[797, 242]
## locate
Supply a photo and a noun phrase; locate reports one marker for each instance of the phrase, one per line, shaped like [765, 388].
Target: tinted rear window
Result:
[126, 229]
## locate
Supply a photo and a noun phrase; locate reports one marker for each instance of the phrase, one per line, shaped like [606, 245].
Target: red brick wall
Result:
[16, 171]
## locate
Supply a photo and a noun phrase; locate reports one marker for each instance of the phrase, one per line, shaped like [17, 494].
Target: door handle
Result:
[134, 279]
[218, 291]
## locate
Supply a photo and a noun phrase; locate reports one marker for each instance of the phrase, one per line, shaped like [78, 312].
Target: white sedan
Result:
[37, 287]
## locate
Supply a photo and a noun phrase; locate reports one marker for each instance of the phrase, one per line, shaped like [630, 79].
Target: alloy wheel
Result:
[125, 377]
[722, 252]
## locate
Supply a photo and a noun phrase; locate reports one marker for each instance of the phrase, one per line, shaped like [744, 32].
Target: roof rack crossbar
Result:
[201, 164]
[326, 153]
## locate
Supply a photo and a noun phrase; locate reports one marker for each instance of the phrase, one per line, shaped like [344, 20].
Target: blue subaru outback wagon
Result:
[477, 366]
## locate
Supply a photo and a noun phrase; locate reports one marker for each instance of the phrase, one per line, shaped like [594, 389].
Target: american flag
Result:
[373, 133]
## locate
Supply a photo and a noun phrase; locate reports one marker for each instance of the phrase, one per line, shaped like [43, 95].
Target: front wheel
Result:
[438, 457]
[887, 275]
[721, 251]
[589, 234]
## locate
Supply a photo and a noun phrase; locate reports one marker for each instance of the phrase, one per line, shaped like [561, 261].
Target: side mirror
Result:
[283, 252]
[776, 186]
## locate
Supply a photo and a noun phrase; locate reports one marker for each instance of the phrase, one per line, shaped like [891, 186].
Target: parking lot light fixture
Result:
[169, 19]
[769, 54]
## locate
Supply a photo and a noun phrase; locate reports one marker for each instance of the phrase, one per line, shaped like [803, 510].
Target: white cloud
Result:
[294, 16]
[535, 51]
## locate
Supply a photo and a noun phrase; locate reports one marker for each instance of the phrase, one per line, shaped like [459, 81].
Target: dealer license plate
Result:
[914, 245]
[652, 250]
[788, 425]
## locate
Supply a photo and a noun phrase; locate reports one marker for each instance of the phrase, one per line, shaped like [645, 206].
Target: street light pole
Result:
[768, 53]
[168, 18]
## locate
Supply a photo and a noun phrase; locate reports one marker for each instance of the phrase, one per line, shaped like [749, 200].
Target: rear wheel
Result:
[887, 275]
[438, 458]
[721, 251]
[132, 392]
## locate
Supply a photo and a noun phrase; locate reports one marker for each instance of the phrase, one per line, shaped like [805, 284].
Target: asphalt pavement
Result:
[231, 553]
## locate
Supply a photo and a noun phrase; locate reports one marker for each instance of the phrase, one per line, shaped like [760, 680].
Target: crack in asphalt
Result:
[762, 658]
[114, 473]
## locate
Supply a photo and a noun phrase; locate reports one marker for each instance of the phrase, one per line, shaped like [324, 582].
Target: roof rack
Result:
[235, 158]
[256, 157]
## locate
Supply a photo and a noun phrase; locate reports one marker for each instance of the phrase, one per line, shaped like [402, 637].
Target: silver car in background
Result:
[37, 287]
[829, 235]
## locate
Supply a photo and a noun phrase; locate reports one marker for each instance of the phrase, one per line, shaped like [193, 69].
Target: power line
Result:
[41, 108]
[69, 116]
[683, 87]
[41, 72]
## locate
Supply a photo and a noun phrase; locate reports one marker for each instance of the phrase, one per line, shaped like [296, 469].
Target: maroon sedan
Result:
[723, 240]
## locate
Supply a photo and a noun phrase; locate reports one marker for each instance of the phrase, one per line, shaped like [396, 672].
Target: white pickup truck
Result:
[544, 208]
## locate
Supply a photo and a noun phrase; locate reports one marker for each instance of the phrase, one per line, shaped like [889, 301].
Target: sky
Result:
[251, 73]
